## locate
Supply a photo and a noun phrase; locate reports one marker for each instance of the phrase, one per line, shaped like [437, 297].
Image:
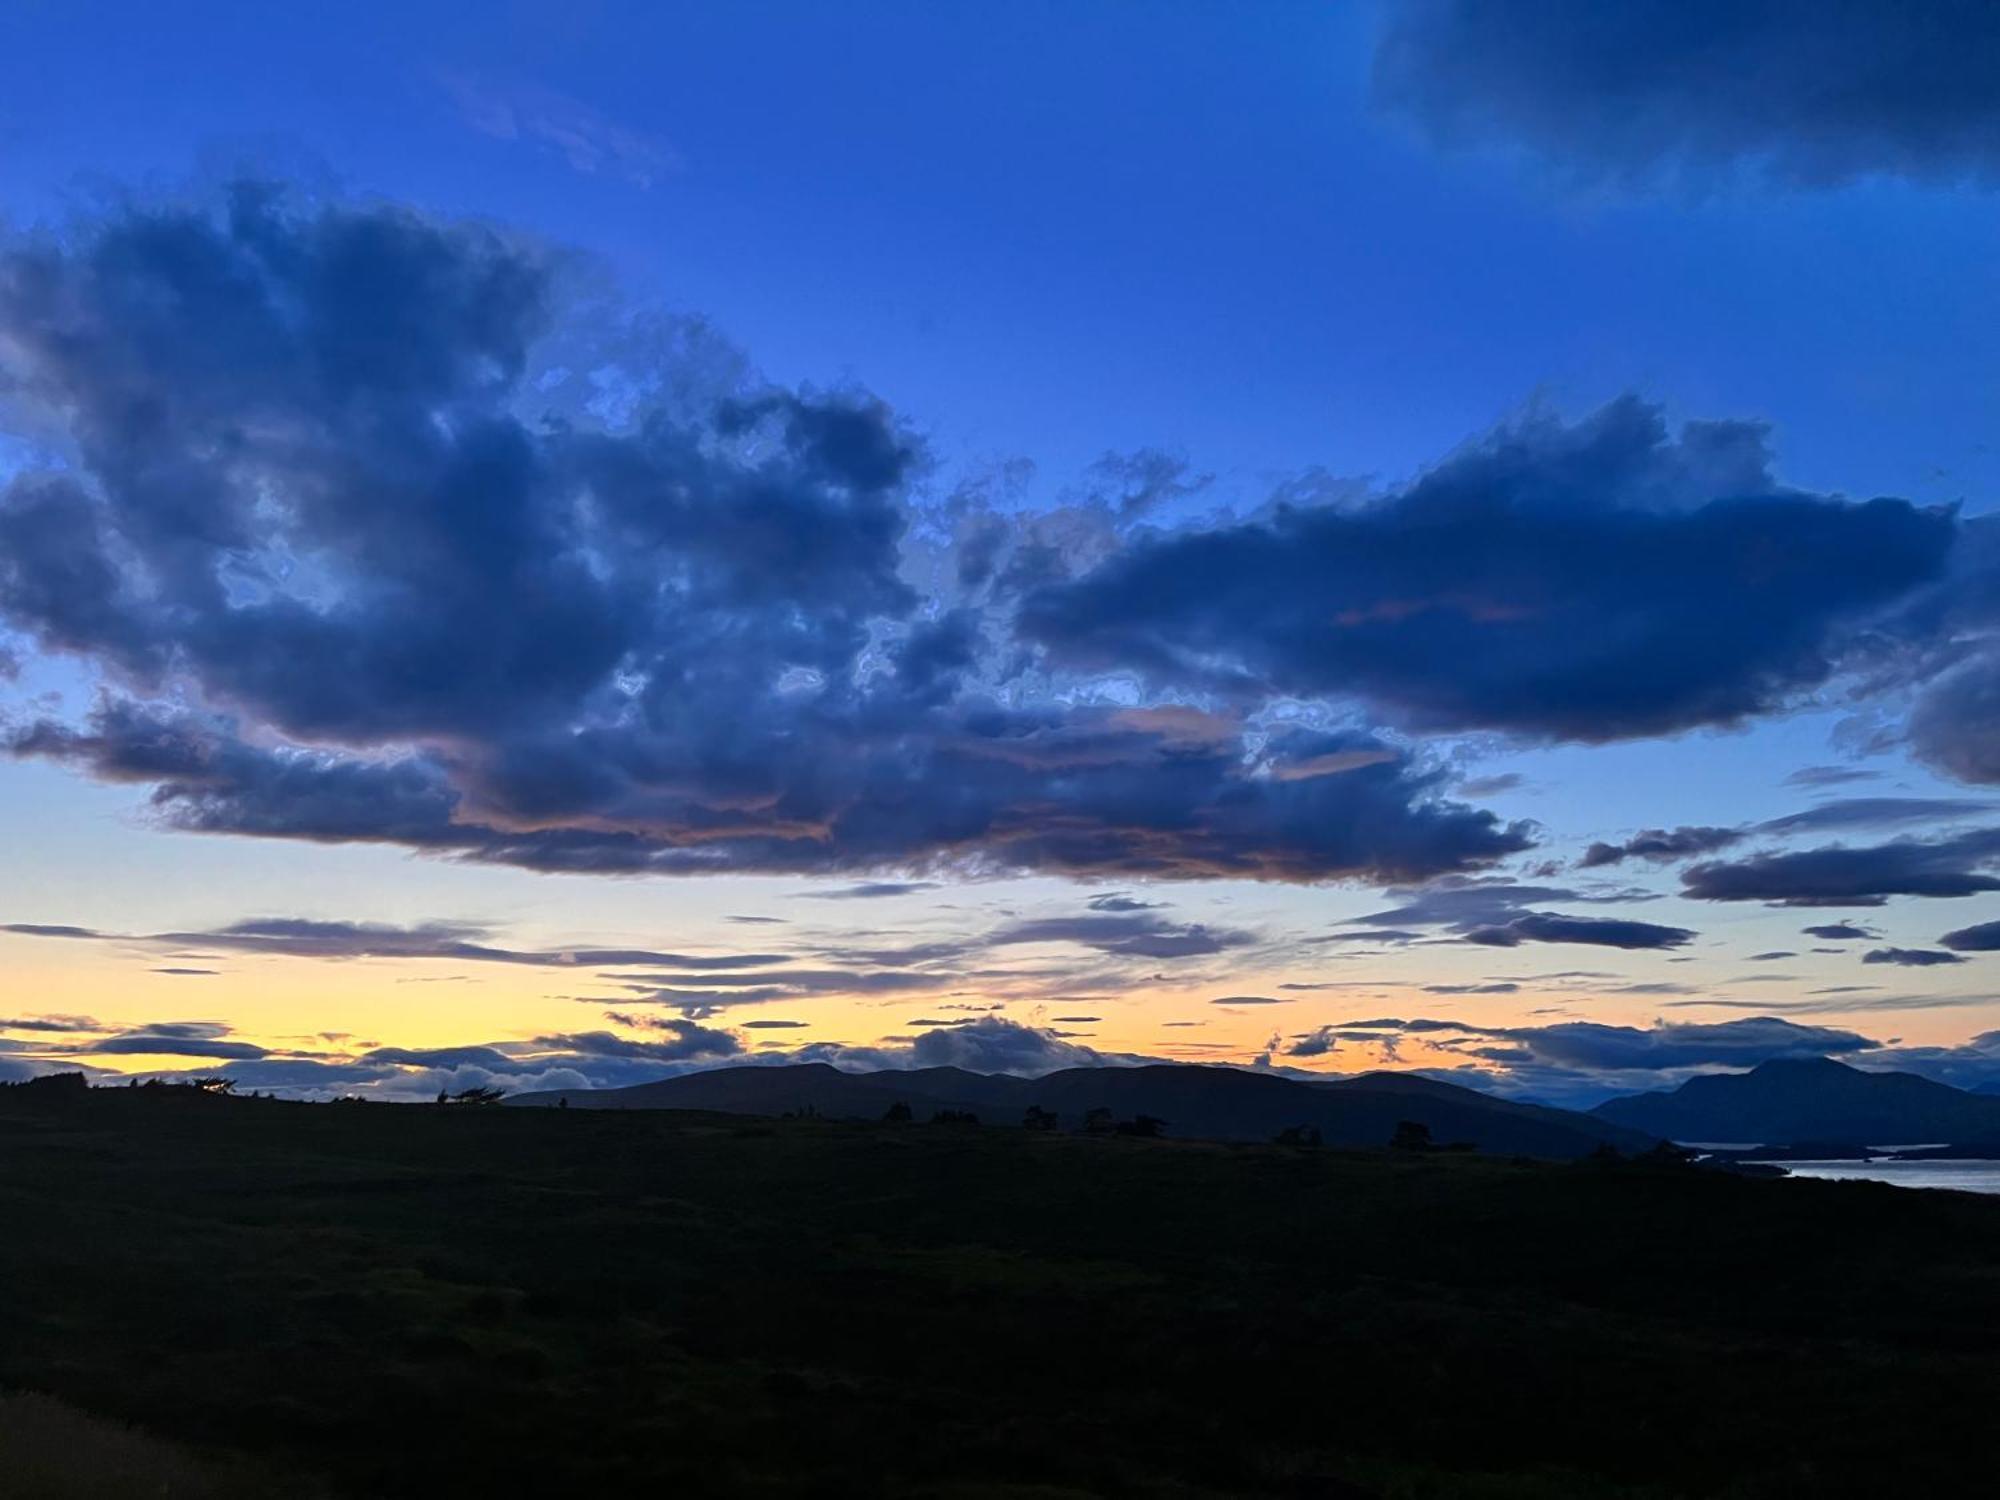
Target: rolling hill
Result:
[1208, 1103]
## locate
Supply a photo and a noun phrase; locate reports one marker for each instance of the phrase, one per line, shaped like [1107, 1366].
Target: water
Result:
[1962, 1176]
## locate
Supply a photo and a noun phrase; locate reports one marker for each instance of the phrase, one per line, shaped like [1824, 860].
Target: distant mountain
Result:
[1206, 1103]
[1812, 1100]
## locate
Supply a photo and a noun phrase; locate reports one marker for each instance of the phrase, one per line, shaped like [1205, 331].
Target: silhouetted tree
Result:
[214, 1086]
[1038, 1118]
[476, 1095]
[1298, 1135]
[954, 1117]
[1097, 1121]
[1142, 1125]
[897, 1114]
[1411, 1135]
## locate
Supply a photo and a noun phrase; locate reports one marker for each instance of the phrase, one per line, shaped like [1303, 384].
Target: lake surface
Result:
[1963, 1176]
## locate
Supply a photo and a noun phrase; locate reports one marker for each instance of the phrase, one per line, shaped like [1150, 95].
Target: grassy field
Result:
[401, 1300]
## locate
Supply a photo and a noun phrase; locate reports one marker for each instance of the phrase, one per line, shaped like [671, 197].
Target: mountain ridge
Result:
[1195, 1101]
[1811, 1099]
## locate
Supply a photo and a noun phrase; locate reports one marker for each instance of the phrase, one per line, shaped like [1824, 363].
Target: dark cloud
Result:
[1591, 582]
[1801, 92]
[1878, 812]
[360, 562]
[1318, 1042]
[1661, 845]
[1118, 901]
[1956, 723]
[299, 937]
[1248, 1000]
[1608, 932]
[1859, 876]
[1912, 958]
[1131, 935]
[176, 1039]
[1502, 914]
[1771, 956]
[689, 1040]
[1823, 776]
[1845, 932]
[1462, 904]
[869, 890]
[1494, 987]
[1982, 938]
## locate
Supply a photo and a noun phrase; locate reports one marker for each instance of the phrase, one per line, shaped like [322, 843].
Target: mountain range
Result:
[1814, 1099]
[1197, 1102]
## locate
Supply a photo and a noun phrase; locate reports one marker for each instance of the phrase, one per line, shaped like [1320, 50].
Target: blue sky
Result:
[1236, 248]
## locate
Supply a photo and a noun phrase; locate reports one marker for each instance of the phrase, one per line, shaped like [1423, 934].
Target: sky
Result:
[553, 545]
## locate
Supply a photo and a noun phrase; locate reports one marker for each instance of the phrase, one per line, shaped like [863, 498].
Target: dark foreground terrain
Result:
[362, 1300]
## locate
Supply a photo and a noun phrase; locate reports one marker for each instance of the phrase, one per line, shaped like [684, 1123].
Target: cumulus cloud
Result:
[1589, 582]
[993, 1044]
[1970, 1065]
[1321, 1041]
[1580, 1063]
[360, 558]
[1794, 92]
[1956, 723]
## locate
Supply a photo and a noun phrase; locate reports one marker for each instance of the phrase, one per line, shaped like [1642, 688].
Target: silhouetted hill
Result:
[1810, 1100]
[1205, 1103]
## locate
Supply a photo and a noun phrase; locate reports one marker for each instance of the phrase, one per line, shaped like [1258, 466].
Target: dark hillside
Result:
[425, 1301]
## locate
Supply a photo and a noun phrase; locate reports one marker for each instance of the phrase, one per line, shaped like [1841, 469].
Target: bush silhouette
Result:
[897, 1114]
[1097, 1121]
[1298, 1135]
[1038, 1118]
[1142, 1125]
[1411, 1135]
[954, 1117]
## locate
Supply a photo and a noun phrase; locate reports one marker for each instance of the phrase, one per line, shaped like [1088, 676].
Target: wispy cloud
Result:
[586, 139]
